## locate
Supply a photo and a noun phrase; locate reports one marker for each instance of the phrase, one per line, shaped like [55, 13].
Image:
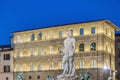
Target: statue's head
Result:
[69, 33]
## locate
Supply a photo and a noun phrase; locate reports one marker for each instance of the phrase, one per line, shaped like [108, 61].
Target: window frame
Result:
[91, 46]
[6, 68]
[81, 31]
[40, 36]
[81, 49]
[93, 30]
[6, 57]
[60, 34]
[32, 37]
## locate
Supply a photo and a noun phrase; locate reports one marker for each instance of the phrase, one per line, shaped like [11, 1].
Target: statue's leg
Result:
[65, 65]
[63, 62]
[73, 71]
[70, 65]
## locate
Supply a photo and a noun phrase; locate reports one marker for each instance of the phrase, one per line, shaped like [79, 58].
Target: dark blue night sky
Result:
[16, 15]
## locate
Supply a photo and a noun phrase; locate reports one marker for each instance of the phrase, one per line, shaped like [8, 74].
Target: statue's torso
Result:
[68, 44]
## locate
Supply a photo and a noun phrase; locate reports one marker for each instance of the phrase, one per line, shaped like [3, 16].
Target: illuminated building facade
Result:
[37, 52]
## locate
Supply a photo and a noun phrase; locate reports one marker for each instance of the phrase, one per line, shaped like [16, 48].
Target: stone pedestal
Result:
[66, 77]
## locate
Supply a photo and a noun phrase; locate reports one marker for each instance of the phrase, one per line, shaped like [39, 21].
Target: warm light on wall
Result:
[105, 67]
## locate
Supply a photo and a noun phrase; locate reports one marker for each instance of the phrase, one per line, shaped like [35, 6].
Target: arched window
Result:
[93, 63]
[60, 65]
[18, 67]
[51, 65]
[24, 67]
[25, 53]
[24, 38]
[60, 34]
[32, 67]
[81, 47]
[32, 52]
[40, 51]
[82, 63]
[40, 36]
[93, 46]
[18, 54]
[60, 49]
[39, 67]
[51, 49]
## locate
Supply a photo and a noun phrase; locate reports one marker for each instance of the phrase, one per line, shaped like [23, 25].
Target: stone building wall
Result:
[103, 54]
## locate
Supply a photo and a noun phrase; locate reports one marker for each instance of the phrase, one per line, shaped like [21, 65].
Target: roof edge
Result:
[112, 24]
[45, 27]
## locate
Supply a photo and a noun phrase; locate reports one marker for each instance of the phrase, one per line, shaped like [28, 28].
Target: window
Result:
[81, 47]
[39, 67]
[6, 56]
[31, 67]
[38, 77]
[51, 65]
[40, 36]
[7, 68]
[32, 37]
[93, 30]
[93, 46]
[18, 67]
[81, 31]
[40, 51]
[32, 52]
[25, 52]
[60, 34]
[18, 54]
[60, 65]
[6, 78]
[93, 63]
[82, 63]
[30, 77]
[51, 49]
[18, 39]
[60, 49]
